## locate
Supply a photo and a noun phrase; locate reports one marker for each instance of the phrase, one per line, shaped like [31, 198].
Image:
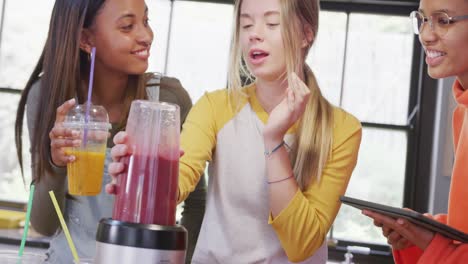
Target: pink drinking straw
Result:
[90, 91]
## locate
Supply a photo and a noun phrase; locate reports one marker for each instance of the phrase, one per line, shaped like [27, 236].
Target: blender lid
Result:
[141, 235]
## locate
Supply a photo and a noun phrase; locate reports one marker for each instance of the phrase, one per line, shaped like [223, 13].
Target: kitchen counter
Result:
[10, 239]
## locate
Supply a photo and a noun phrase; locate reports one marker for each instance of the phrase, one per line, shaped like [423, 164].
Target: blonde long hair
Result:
[314, 137]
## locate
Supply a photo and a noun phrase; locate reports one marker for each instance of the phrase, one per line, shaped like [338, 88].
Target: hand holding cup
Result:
[62, 137]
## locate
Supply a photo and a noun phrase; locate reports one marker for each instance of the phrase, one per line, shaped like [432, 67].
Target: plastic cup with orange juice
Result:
[86, 172]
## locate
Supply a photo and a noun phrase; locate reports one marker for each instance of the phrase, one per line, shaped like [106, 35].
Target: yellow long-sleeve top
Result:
[237, 227]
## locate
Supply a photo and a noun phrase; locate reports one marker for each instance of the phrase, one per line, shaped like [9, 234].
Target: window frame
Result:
[2, 16]
[419, 127]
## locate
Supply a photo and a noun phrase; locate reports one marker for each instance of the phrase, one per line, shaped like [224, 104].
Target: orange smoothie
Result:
[85, 173]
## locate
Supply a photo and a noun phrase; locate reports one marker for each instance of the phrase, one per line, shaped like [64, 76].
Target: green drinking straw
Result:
[64, 227]
[26, 224]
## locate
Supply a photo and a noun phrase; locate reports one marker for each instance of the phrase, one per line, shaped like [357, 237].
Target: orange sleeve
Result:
[442, 250]
[409, 255]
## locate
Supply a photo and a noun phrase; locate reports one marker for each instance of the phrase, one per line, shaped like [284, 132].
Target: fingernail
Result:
[71, 158]
[400, 221]
[76, 143]
[71, 100]
[75, 133]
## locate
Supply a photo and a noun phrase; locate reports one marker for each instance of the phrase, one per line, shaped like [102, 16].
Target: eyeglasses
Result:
[439, 22]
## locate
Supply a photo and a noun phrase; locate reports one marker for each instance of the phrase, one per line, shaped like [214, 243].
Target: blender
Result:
[143, 227]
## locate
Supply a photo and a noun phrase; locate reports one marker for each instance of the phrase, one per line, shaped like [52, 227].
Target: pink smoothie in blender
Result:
[147, 191]
[143, 227]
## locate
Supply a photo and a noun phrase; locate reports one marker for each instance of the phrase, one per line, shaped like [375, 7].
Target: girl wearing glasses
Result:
[442, 26]
[279, 153]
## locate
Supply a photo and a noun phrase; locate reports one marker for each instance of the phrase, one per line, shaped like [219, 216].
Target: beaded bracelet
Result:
[269, 153]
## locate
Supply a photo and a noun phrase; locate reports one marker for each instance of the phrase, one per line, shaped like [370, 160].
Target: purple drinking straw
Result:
[90, 91]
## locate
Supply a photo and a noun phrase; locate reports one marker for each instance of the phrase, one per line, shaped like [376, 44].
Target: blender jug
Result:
[147, 192]
[142, 228]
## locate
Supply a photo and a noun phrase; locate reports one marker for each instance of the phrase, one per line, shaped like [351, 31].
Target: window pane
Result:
[23, 37]
[199, 45]
[378, 177]
[326, 55]
[20, 64]
[159, 12]
[378, 68]
[1, 9]
[11, 183]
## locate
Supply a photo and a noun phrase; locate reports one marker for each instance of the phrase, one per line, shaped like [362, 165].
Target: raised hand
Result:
[61, 137]
[289, 110]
